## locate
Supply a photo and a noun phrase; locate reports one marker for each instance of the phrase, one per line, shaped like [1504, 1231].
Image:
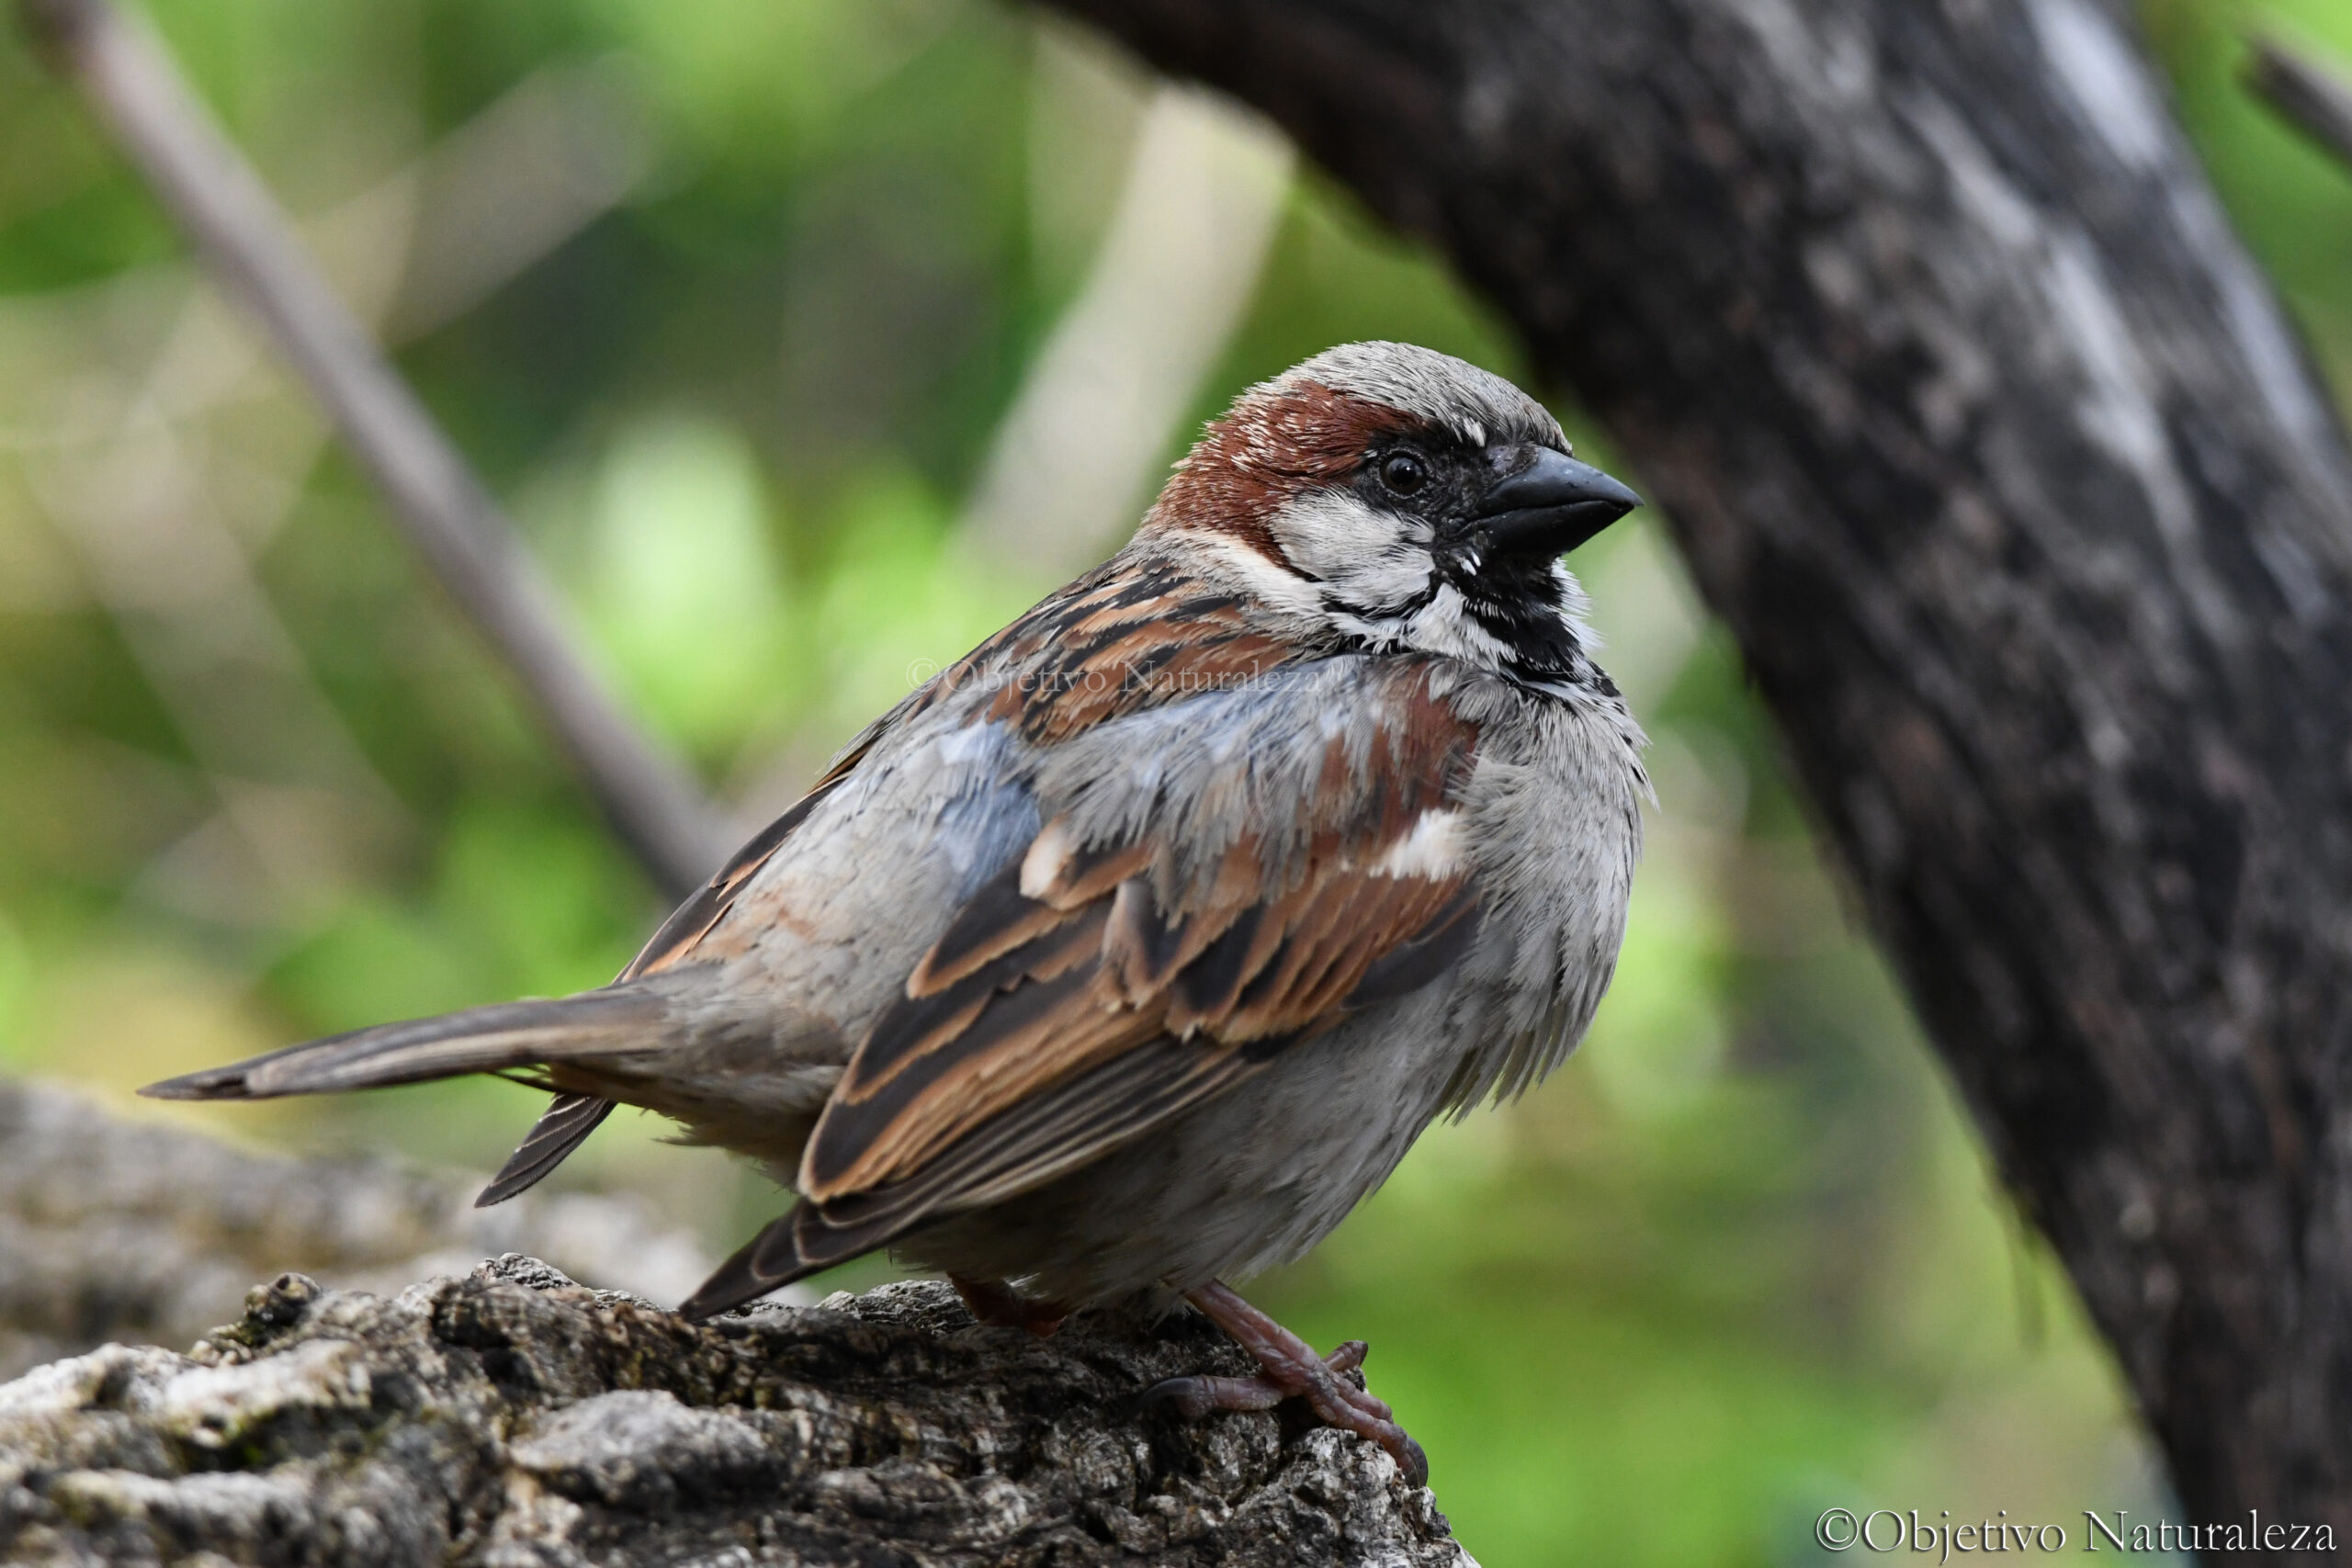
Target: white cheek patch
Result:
[1277, 586]
[1368, 574]
[1432, 849]
[1368, 557]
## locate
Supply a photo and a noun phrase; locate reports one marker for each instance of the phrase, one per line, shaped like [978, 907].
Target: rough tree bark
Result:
[513, 1420]
[1981, 430]
[508, 1417]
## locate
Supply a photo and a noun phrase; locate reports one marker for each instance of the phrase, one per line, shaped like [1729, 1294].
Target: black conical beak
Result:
[1549, 504]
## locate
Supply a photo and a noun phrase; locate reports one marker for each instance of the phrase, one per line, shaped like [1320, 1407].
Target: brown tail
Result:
[502, 1038]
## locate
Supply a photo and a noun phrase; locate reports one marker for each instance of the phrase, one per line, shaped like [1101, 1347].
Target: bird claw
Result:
[1195, 1397]
[1202, 1394]
[1289, 1368]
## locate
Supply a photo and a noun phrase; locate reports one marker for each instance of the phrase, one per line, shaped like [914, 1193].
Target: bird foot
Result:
[1202, 1394]
[991, 1302]
[1289, 1368]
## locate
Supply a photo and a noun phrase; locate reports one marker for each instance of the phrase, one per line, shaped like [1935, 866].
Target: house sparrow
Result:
[1130, 952]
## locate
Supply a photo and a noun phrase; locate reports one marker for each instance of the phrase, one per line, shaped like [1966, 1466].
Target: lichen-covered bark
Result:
[1990, 443]
[513, 1417]
[116, 1229]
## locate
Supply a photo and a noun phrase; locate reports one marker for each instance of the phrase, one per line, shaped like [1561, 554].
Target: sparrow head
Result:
[1406, 499]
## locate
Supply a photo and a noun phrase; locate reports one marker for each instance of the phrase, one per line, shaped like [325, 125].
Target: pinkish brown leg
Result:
[1289, 1368]
[992, 1304]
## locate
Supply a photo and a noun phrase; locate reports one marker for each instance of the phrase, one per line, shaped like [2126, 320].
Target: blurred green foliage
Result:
[1740, 1262]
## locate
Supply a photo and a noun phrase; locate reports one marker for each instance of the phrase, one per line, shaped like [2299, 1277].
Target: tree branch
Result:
[513, 1416]
[2308, 95]
[247, 241]
[1992, 446]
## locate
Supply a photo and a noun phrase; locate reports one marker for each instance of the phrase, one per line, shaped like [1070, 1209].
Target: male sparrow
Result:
[1127, 953]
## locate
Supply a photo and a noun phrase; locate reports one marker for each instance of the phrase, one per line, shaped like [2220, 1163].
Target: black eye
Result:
[1404, 473]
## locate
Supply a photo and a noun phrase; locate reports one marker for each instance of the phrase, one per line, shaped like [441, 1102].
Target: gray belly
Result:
[1245, 1182]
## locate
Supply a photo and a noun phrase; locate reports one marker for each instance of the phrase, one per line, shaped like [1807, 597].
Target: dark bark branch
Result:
[1989, 441]
[2309, 96]
[247, 241]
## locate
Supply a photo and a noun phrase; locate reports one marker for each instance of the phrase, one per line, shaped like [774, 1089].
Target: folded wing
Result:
[1104, 983]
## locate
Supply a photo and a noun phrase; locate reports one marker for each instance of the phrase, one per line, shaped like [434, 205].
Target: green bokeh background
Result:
[1740, 1262]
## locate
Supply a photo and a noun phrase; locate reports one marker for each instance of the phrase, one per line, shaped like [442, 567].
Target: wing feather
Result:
[1092, 989]
[1071, 959]
[1042, 1138]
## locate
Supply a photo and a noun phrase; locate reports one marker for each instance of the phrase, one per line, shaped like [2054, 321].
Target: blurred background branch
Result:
[251, 246]
[2315, 99]
[114, 1230]
[1078, 451]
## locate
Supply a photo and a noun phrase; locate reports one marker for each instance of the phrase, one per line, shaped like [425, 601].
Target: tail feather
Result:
[501, 1037]
[561, 1128]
